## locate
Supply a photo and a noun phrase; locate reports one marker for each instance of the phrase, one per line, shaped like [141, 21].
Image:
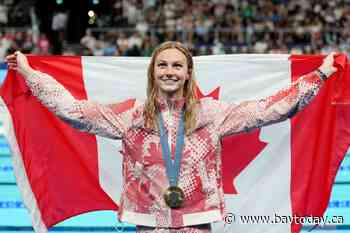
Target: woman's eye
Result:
[161, 64]
[178, 65]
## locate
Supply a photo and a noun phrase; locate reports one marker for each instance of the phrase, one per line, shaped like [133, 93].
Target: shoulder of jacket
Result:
[208, 102]
[126, 105]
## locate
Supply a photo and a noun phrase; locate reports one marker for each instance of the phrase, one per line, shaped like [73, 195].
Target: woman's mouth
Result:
[169, 80]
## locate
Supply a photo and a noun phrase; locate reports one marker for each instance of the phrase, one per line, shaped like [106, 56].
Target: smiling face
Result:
[170, 73]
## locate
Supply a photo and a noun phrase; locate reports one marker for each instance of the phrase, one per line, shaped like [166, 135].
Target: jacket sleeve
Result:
[105, 120]
[275, 108]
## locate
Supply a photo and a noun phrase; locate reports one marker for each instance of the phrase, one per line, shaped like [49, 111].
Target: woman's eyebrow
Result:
[176, 61]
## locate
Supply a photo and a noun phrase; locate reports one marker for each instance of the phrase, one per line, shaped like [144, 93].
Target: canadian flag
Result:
[286, 168]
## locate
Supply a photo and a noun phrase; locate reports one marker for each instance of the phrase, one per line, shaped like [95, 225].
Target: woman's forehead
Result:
[171, 55]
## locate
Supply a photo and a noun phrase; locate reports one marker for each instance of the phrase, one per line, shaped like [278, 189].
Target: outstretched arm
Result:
[84, 115]
[278, 107]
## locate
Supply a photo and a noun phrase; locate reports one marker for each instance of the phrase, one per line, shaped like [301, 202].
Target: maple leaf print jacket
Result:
[144, 174]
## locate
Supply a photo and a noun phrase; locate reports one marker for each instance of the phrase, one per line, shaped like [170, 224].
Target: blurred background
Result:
[134, 28]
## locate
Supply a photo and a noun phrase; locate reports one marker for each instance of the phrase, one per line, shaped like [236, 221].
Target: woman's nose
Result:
[169, 71]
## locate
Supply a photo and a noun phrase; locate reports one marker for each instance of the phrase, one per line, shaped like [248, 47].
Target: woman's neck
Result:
[170, 98]
[172, 101]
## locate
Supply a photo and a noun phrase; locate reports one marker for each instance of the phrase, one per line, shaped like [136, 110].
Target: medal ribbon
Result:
[172, 167]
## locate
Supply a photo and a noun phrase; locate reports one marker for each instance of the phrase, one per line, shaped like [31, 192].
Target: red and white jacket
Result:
[144, 172]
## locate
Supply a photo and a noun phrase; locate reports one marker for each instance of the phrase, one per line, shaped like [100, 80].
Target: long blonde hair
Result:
[150, 110]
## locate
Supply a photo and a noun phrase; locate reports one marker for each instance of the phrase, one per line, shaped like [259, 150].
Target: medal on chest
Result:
[174, 196]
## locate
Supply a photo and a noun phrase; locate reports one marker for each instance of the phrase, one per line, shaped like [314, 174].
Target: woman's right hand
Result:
[18, 61]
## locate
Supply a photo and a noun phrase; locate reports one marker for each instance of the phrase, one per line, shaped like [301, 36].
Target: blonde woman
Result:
[177, 188]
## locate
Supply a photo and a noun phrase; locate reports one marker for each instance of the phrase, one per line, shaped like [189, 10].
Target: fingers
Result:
[327, 66]
[12, 65]
[10, 57]
[14, 55]
[331, 61]
[331, 54]
[334, 69]
[330, 58]
[11, 60]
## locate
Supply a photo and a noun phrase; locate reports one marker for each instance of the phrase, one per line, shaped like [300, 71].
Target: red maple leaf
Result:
[237, 150]
[214, 94]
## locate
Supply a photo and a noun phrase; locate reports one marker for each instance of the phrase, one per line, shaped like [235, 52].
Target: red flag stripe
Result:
[72, 150]
[313, 175]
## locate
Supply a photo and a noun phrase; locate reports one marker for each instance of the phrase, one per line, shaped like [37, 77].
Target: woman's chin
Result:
[169, 91]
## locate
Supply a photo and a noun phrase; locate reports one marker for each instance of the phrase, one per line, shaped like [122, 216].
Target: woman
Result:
[171, 142]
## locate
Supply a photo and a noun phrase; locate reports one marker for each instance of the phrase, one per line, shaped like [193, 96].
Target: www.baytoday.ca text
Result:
[231, 218]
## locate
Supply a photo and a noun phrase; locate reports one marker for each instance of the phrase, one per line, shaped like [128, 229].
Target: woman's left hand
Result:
[327, 66]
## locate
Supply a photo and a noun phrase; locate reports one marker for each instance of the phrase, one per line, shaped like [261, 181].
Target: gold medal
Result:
[174, 197]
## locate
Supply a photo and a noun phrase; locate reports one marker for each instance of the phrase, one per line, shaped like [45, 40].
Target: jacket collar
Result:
[167, 104]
